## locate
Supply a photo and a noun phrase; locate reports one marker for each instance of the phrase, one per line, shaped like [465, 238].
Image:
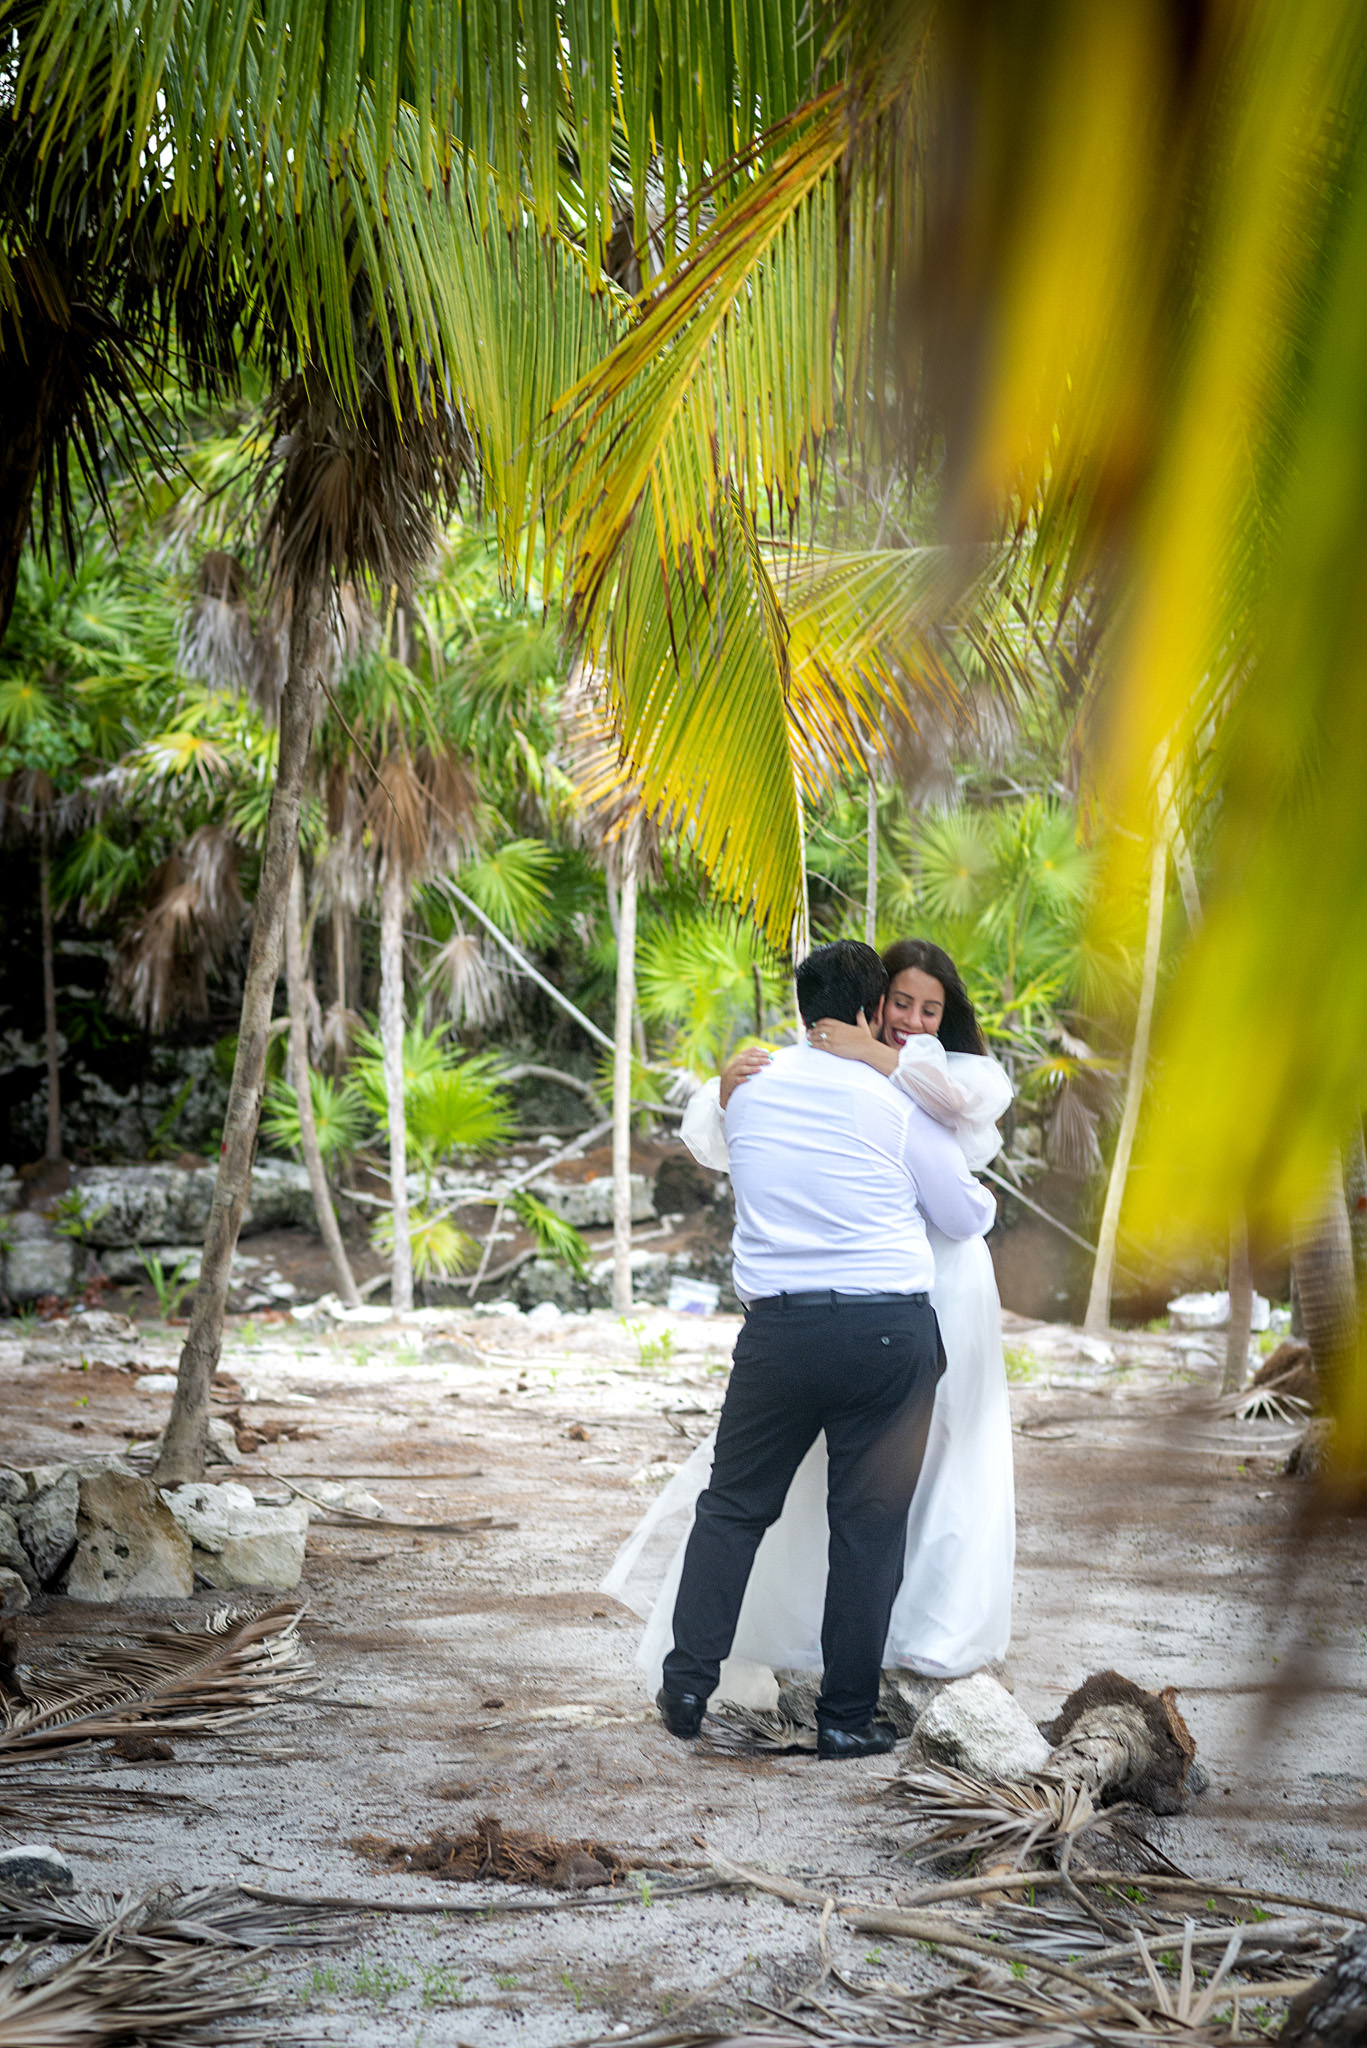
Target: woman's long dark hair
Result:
[959, 1028]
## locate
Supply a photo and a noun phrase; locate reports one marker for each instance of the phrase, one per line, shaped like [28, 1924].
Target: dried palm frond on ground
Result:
[511, 1855]
[39, 1800]
[160, 1921]
[232, 1665]
[106, 1993]
[732, 1730]
[1175, 1976]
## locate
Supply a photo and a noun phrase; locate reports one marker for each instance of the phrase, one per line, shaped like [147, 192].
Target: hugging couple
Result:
[855, 1507]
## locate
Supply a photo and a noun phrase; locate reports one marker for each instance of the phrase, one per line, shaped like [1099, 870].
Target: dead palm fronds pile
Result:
[1134, 1956]
[167, 1679]
[151, 1970]
[509, 1855]
[162, 1921]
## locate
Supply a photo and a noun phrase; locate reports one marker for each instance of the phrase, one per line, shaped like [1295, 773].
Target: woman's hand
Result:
[853, 1042]
[743, 1067]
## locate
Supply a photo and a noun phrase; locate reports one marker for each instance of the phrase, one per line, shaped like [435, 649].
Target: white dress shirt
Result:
[833, 1171]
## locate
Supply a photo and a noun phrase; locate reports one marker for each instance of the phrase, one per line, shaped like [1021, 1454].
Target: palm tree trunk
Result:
[182, 1451]
[871, 869]
[27, 407]
[392, 894]
[1098, 1314]
[1322, 1261]
[53, 1148]
[299, 1068]
[621, 1082]
[1240, 1309]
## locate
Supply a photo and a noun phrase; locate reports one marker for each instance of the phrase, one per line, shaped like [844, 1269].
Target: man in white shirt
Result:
[832, 1169]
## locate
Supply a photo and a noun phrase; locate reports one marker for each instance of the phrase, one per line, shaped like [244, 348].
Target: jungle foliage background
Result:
[878, 468]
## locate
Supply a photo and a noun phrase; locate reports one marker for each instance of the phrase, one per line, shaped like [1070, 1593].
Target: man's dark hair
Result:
[839, 981]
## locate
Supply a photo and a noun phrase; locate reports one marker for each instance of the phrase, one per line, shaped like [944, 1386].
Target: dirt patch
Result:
[509, 1855]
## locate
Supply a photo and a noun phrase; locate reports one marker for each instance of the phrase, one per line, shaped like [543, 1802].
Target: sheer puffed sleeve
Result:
[703, 1129]
[965, 1091]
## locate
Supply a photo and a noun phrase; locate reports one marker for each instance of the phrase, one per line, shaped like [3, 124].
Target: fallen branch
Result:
[350, 1518]
[936, 1929]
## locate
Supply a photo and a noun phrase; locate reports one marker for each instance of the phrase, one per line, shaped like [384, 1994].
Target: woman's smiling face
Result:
[915, 1007]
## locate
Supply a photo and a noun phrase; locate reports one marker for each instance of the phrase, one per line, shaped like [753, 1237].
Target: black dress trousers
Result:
[866, 1374]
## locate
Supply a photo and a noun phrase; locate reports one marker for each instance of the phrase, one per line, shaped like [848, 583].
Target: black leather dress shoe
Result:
[875, 1738]
[681, 1712]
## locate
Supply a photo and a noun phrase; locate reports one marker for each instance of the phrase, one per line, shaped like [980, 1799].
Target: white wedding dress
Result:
[953, 1611]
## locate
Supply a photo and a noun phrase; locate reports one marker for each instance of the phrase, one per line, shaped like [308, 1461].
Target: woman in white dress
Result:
[953, 1612]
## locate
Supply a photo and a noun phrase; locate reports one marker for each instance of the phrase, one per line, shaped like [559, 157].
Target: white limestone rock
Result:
[237, 1543]
[974, 1725]
[128, 1543]
[37, 1261]
[13, 1556]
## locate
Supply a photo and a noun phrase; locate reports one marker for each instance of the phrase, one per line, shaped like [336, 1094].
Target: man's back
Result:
[824, 1193]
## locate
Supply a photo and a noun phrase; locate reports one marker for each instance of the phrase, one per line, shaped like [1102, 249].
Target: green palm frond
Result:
[556, 1238]
[425, 1055]
[956, 860]
[459, 1108]
[511, 884]
[441, 1249]
[339, 1116]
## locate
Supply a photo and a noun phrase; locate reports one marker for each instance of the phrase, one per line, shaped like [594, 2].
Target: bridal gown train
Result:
[953, 1611]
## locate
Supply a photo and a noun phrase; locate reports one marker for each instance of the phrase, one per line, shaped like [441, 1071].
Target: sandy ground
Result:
[486, 1674]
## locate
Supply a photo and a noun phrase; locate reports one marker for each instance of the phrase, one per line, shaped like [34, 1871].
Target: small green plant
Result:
[1020, 1363]
[874, 1957]
[647, 1891]
[321, 1984]
[441, 1249]
[441, 1985]
[72, 1217]
[506, 1983]
[378, 1983]
[556, 1238]
[251, 1334]
[1018, 1969]
[650, 1351]
[169, 1288]
[576, 1991]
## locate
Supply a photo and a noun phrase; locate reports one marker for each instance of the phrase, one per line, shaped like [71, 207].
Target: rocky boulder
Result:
[169, 1205]
[47, 1518]
[37, 1261]
[974, 1725]
[128, 1543]
[237, 1543]
[14, 1595]
[587, 1204]
[13, 1557]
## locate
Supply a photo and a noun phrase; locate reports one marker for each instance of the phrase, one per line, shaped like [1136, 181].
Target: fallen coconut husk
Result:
[510, 1855]
[1114, 1746]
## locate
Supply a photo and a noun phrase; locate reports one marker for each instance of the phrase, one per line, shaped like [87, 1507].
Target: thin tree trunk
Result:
[339, 955]
[621, 1083]
[1240, 1309]
[299, 1067]
[1098, 1314]
[53, 1147]
[392, 894]
[183, 1447]
[871, 869]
